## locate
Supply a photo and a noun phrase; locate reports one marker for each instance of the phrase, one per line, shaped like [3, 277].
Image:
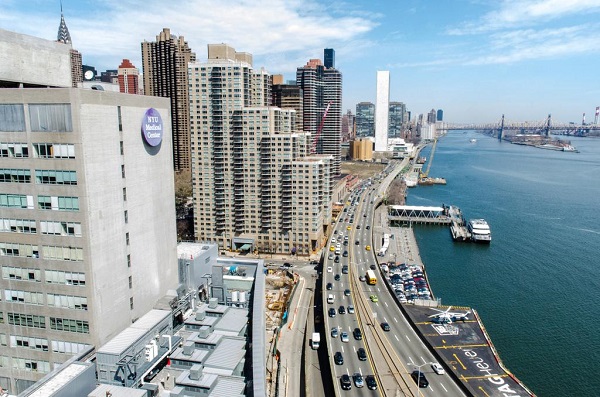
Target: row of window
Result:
[56, 323]
[40, 150]
[42, 117]
[29, 226]
[35, 275]
[41, 344]
[55, 300]
[45, 177]
[56, 253]
[55, 203]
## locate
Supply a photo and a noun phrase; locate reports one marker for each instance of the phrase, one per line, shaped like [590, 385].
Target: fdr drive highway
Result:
[368, 357]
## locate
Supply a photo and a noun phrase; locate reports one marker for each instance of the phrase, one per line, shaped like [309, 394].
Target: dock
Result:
[457, 227]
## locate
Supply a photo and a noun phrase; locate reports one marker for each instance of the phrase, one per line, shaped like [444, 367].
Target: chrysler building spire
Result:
[63, 32]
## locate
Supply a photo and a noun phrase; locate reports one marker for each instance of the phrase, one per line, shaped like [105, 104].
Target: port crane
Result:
[313, 149]
[422, 174]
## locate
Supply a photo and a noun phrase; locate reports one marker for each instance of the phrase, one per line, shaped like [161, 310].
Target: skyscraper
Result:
[64, 37]
[348, 121]
[329, 58]
[87, 235]
[365, 119]
[431, 116]
[396, 119]
[254, 186]
[288, 96]
[128, 78]
[165, 65]
[440, 115]
[382, 110]
[322, 90]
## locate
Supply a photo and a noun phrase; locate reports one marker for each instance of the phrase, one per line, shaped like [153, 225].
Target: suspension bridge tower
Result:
[501, 129]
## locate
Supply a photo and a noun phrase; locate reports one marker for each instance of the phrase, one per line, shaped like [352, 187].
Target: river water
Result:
[537, 285]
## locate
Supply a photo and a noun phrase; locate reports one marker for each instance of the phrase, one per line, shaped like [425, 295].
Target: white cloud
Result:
[268, 29]
[517, 13]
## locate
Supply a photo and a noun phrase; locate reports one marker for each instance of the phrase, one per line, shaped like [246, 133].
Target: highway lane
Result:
[407, 344]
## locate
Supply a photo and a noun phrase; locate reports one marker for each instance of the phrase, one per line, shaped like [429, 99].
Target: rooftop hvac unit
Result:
[196, 372]
[203, 332]
[151, 350]
[200, 315]
[188, 348]
[242, 296]
[234, 296]
[212, 303]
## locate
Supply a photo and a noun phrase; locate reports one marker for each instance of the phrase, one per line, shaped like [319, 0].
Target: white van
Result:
[330, 298]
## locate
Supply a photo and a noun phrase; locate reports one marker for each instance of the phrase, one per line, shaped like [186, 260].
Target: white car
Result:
[329, 269]
[438, 369]
[344, 337]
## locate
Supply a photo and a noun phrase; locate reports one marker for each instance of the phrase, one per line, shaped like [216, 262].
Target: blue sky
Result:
[475, 59]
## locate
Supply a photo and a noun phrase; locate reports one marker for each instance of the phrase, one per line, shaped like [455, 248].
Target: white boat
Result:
[569, 148]
[473, 140]
[479, 230]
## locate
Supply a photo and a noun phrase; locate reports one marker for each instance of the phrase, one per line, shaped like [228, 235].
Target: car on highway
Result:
[385, 326]
[335, 331]
[350, 309]
[344, 337]
[330, 256]
[357, 227]
[374, 298]
[337, 277]
[357, 242]
[347, 292]
[367, 227]
[349, 228]
[362, 278]
[345, 269]
[420, 379]
[332, 312]
[362, 354]
[337, 259]
[368, 248]
[357, 334]
[329, 286]
[342, 310]
[338, 358]
[358, 380]
[371, 382]
[345, 382]
[332, 248]
[438, 369]
[345, 254]
[329, 269]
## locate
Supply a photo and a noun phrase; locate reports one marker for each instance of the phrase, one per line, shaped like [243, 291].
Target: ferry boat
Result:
[479, 230]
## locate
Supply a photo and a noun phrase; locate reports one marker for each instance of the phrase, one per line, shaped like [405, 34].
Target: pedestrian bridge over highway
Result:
[409, 214]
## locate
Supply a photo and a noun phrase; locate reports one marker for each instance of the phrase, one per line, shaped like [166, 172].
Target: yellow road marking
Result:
[459, 346]
[460, 362]
[483, 391]
[484, 376]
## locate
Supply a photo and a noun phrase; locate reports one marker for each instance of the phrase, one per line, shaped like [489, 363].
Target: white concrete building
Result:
[382, 110]
[87, 224]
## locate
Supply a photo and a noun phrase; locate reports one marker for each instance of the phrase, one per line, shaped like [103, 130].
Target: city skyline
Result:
[476, 60]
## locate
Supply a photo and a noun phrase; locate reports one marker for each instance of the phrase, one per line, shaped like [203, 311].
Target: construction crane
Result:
[313, 149]
[423, 175]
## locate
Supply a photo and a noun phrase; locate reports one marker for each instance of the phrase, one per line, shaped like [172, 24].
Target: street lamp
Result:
[419, 374]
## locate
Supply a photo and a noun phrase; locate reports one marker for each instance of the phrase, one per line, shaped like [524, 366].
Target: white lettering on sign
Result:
[495, 379]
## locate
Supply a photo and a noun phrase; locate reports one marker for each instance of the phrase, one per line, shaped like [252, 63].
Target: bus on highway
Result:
[371, 279]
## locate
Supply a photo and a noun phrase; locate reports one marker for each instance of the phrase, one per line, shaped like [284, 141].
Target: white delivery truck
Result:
[315, 341]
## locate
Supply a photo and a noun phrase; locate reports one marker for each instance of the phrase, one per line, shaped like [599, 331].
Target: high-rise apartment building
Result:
[322, 90]
[165, 65]
[128, 77]
[87, 228]
[396, 119]
[365, 119]
[254, 186]
[382, 110]
[288, 96]
[432, 116]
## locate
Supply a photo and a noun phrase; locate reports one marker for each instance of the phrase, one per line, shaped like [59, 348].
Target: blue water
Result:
[537, 285]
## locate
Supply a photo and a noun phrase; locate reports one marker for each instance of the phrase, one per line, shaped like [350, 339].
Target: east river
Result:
[537, 285]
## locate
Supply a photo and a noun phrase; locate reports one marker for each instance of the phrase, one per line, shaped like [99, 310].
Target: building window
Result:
[122, 170]
[124, 194]
[59, 228]
[120, 119]
[54, 150]
[16, 201]
[58, 253]
[27, 320]
[130, 282]
[126, 215]
[67, 301]
[27, 226]
[121, 147]
[29, 342]
[69, 325]
[127, 238]
[64, 278]
[67, 347]
[16, 249]
[12, 118]
[128, 260]
[55, 177]
[58, 203]
[32, 298]
[10, 149]
[21, 273]
[131, 303]
[50, 117]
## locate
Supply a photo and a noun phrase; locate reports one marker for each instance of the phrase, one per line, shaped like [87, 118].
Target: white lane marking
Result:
[396, 336]
[424, 362]
[343, 349]
[407, 337]
[441, 384]
[385, 319]
[386, 305]
[395, 319]
[410, 359]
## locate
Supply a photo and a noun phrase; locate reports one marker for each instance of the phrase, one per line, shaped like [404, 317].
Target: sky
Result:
[475, 59]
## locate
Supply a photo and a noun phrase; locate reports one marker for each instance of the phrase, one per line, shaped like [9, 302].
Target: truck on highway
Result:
[315, 341]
